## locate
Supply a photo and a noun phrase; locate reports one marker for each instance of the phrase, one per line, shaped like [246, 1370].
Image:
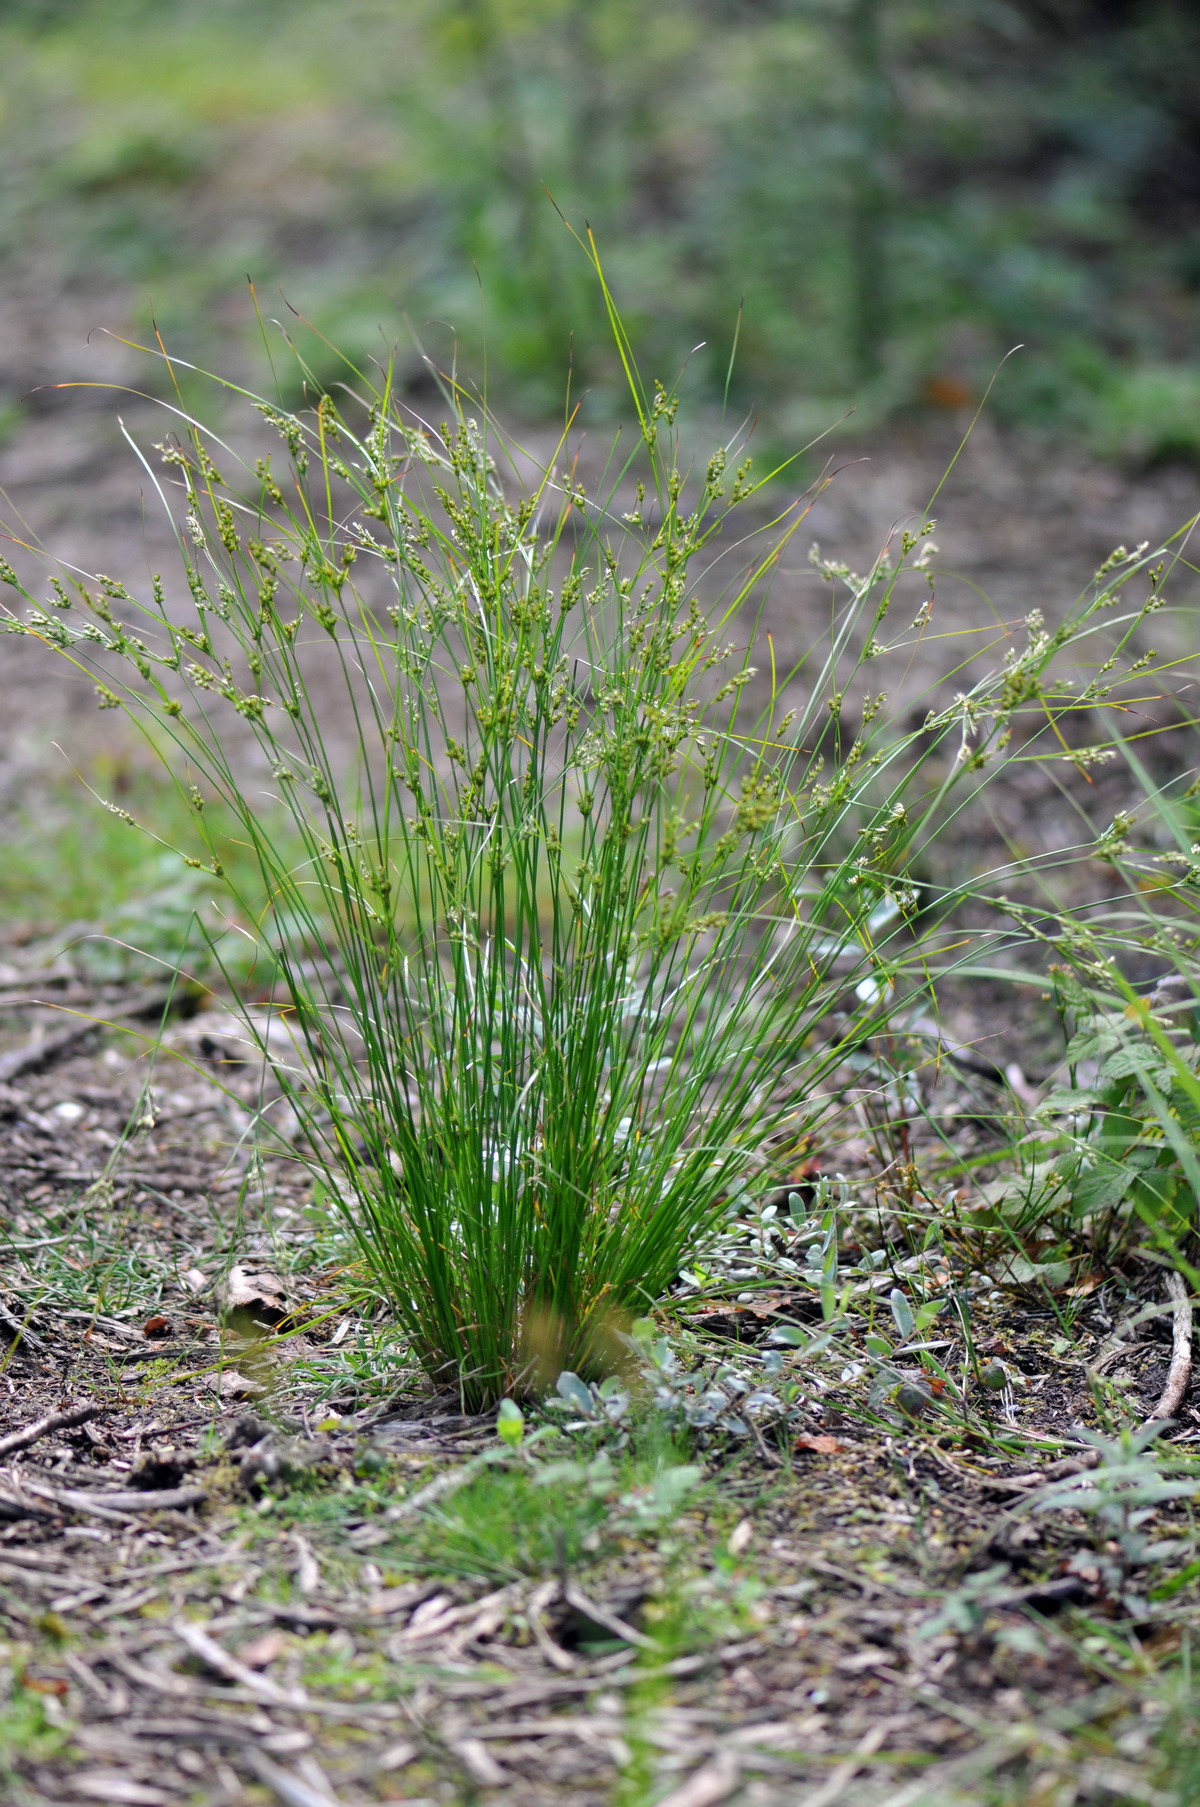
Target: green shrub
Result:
[1150, 414]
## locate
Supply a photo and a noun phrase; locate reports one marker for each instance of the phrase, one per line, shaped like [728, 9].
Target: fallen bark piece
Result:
[258, 1292]
[1180, 1372]
[285, 1744]
[479, 1763]
[262, 1651]
[111, 1785]
[229, 1384]
[606, 1618]
[398, 1756]
[285, 1786]
[398, 1599]
[308, 1570]
[37, 1054]
[147, 1500]
[219, 1660]
[840, 1778]
[20, 1332]
[715, 1781]
[41, 1427]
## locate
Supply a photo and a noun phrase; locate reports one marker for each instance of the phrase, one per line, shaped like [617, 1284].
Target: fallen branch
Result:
[21, 1333]
[147, 1499]
[611, 1621]
[13, 1507]
[551, 1649]
[1054, 1471]
[840, 1778]
[117, 1504]
[284, 1785]
[449, 1482]
[215, 1657]
[37, 1054]
[1180, 1371]
[41, 1427]
[714, 1782]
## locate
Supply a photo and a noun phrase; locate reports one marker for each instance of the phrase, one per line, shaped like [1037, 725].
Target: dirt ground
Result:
[207, 1590]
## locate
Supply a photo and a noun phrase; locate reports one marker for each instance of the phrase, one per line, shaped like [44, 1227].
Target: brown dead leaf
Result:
[821, 1444]
[945, 391]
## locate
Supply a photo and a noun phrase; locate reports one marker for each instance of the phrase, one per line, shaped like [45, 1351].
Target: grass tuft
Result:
[563, 931]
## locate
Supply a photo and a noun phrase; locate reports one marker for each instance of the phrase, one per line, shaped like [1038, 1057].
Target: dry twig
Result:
[712, 1783]
[840, 1778]
[284, 1785]
[37, 1054]
[1180, 1371]
[41, 1427]
[219, 1659]
[120, 1502]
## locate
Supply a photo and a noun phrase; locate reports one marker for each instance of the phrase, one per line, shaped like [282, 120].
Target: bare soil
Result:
[205, 1600]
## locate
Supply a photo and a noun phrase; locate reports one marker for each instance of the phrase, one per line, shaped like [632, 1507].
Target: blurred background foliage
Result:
[898, 190]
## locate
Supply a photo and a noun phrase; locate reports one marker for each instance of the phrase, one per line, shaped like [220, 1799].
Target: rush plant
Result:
[554, 931]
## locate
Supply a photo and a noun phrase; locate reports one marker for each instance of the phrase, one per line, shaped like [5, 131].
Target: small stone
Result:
[913, 1397]
[231, 1385]
[256, 1293]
